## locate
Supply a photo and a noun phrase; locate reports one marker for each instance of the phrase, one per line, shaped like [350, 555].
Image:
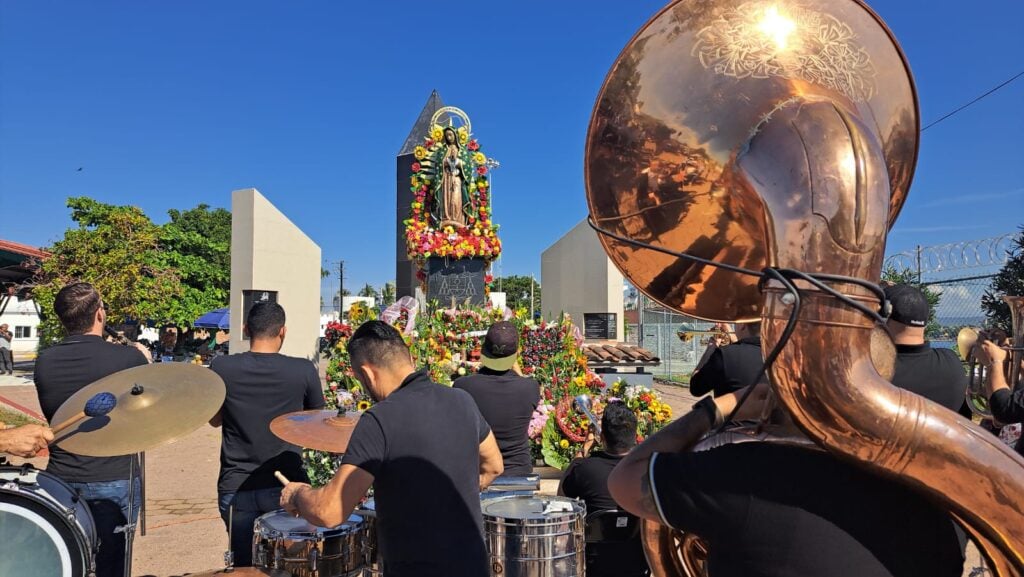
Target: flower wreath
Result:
[479, 239]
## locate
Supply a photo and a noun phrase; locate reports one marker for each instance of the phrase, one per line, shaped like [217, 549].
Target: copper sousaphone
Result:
[784, 134]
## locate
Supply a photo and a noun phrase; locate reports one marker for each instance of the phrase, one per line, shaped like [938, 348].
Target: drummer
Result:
[260, 384]
[426, 450]
[61, 371]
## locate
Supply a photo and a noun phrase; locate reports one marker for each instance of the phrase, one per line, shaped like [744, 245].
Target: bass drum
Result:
[45, 528]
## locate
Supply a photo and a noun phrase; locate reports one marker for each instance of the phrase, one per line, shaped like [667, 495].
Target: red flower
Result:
[416, 167]
[421, 276]
[481, 170]
[429, 142]
[473, 145]
[488, 279]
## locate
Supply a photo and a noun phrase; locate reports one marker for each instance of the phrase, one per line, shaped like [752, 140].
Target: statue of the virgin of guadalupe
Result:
[453, 172]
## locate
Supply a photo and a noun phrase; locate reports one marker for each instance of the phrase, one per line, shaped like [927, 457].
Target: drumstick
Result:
[284, 480]
[100, 404]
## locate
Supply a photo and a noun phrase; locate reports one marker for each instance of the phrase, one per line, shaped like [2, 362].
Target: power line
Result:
[1014, 77]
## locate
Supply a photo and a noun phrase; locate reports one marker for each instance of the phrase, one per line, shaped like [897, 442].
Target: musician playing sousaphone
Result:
[805, 117]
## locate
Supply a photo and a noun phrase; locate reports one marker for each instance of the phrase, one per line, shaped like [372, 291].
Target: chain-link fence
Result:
[959, 273]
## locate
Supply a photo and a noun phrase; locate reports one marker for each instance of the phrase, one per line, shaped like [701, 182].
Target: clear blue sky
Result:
[171, 104]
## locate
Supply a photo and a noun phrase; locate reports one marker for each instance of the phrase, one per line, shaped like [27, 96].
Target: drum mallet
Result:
[99, 405]
[284, 480]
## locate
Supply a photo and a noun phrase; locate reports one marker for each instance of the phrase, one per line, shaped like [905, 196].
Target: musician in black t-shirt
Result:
[505, 399]
[768, 509]
[731, 367]
[587, 479]
[1007, 404]
[935, 374]
[61, 371]
[260, 385]
[428, 453]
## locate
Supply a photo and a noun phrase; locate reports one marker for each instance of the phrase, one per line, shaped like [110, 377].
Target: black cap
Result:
[909, 305]
[500, 346]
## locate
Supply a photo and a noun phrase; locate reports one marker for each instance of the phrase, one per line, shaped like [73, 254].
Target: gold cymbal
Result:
[679, 110]
[156, 404]
[320, 430]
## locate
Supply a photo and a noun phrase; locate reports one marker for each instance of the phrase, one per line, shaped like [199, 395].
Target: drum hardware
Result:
[229, 553]
[321, 430]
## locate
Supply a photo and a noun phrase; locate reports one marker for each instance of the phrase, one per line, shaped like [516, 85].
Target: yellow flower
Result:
[363, 405]
[436, 133]
[563, 444]
[415, 181]
[479, 158]
[463, 135]
[419, 153]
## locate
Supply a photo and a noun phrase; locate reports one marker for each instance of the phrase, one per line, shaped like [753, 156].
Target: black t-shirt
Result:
[507, 402]
[1008, 407]
[61, 371]
[729, 369]
[587, 479]
[935, 374]
[775, 510]
[260, 387]
[422, 446]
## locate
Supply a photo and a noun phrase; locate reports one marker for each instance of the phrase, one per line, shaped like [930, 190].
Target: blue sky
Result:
[170, 104]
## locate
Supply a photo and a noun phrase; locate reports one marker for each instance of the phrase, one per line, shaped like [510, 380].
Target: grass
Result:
[13, 418]
[676, 379]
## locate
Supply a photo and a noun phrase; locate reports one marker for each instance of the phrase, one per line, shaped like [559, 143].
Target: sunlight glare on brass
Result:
[777, 27]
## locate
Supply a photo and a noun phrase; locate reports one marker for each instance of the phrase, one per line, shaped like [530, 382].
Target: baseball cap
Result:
[501, 346]
[909, 305]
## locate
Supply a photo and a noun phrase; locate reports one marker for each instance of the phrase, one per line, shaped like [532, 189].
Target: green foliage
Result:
[555, 455]
[117, 249]
[517, 291]
[1008, 281]
[197, 244]
[906, 276]
[387, 294]
[367, 291]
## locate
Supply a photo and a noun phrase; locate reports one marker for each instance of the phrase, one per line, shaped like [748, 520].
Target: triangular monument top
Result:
[421, 127]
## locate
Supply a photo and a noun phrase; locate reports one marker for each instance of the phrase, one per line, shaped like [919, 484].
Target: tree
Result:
[117, 250]
[906, 276]
[387, 294]
[517, 292]
[197, 244]
[368, 291]
[1009, 281]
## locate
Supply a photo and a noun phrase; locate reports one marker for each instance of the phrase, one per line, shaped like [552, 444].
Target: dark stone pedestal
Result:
[461, 279]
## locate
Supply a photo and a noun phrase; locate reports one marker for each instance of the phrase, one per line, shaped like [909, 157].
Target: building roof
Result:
[421, 127]
[18, 262]
[618, 355]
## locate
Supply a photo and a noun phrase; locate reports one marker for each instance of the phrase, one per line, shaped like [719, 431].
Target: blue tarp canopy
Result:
[215, 319]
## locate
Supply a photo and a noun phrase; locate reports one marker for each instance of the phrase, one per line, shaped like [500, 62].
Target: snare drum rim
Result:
[80, 526]
[578, 514]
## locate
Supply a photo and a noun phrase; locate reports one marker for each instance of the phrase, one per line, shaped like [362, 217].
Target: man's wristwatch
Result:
[708, 405]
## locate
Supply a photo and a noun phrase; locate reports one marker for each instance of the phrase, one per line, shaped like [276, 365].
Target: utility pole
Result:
[341, 290]
[532, 282]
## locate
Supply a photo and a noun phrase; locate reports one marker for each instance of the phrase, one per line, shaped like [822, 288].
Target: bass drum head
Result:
[37, 540]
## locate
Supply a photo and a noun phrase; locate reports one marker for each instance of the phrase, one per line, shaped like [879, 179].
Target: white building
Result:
[23, 320]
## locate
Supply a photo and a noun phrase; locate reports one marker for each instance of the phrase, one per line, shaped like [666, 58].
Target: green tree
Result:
[906, 276]
[1008, 281]
[197, 244]
[368, 291]
[517, 291]
[117, 250]
[387, 294]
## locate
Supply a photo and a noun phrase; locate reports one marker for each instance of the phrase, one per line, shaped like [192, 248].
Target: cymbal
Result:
[320, 430]
[242, 572]
[156, 404]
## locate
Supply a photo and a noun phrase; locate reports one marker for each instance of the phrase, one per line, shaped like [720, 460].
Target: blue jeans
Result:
[108, 502]
[248, 505]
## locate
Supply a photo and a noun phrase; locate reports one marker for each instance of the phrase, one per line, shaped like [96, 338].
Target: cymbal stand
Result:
[129, 528]
[142, 495]
[229, 555]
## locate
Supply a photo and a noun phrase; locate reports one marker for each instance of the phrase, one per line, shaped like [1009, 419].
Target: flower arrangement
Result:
[443, 342]
[424, 236]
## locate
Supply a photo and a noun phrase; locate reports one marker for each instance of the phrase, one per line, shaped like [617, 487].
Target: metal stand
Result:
[142, 494]
[129, 528]
[229, 555]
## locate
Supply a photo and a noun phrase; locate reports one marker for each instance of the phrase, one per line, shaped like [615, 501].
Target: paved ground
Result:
[184, 532]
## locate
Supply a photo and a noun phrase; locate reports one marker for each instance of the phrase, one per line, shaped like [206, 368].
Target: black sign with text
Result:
[459, 279]
[600, 326]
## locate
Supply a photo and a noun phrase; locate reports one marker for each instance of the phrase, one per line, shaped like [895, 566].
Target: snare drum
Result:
[371, 558]
[45, 528]
[281, 541]
[525, 541]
